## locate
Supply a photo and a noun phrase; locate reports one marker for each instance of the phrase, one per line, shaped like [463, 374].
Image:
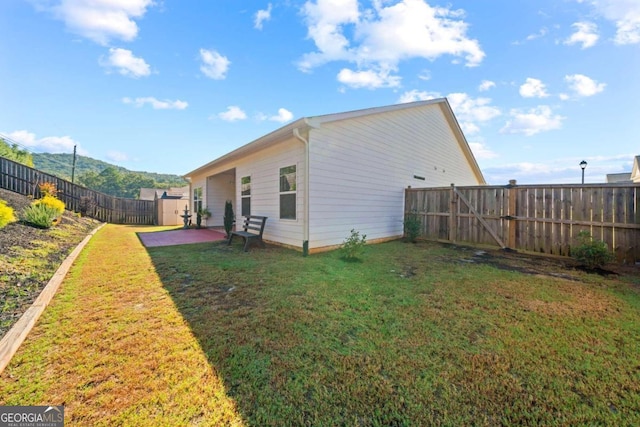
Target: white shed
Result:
[319, 177]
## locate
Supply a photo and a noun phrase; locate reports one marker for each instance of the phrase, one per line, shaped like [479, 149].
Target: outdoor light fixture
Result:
[583, 165]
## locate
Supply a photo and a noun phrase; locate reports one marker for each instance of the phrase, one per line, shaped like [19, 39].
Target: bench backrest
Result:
[255, 223]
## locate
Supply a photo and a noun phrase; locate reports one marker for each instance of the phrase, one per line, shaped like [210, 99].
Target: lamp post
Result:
[583, 165]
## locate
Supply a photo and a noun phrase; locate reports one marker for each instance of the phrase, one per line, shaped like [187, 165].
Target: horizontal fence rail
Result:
[24, 180]
[534, 218]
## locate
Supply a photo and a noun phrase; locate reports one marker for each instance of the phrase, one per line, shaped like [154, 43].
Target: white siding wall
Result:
[360, 168]
[264, 169]
[220, 188]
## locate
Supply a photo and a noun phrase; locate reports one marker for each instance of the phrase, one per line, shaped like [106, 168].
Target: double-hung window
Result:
[197, 200]
[245, 193]
[288, 192]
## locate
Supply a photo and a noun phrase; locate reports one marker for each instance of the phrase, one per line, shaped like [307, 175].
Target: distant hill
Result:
[61, 165]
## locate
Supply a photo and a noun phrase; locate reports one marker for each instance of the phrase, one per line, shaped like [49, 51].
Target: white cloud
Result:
[481, 151]
[586, 33]
[425, 75]
[261, 16]
[469, 111]
[533, 88]
[543, 32]
[557, 170]
[99, 20]
[369, 79]
[214, 65]
[380, 37]
[536, 120]
[625, 14]
[117, 156]
[416, 95]
[157, 104]
[126, 64]
[48, 144]
[486, 85]
[283, 116]
[233, 113]
[582, 85]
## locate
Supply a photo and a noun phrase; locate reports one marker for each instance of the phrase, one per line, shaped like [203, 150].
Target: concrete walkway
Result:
[180, 237]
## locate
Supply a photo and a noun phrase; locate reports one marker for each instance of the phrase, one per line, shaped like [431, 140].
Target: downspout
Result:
[305, 227]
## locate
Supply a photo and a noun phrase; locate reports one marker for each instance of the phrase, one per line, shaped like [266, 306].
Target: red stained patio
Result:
[180, 237]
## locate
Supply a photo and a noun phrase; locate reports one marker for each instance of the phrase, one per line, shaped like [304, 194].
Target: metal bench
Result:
[252, 229]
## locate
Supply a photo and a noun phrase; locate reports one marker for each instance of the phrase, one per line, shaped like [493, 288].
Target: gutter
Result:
[305, 227]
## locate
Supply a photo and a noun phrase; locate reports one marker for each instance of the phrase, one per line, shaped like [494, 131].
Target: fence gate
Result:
[535, 218]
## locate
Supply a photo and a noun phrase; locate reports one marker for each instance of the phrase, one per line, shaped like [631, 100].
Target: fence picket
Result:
[24, 180]
[544, 218]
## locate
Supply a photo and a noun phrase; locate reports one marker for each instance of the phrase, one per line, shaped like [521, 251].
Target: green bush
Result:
[353, 246]
[229, 217]
[591, 253]
[6, 214]
[52, 202]
[411, 228]
[40, 215]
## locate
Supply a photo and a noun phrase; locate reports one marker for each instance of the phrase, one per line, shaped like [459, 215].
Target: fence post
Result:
[511, 215]
[453, 222]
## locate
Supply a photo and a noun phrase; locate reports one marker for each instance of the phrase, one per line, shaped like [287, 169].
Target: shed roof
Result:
[306, 123]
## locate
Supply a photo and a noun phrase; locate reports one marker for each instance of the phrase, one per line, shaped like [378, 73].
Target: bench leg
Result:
[246, 244]
[230, 239]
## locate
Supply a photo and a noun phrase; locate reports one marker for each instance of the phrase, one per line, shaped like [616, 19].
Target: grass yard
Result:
[423, 334]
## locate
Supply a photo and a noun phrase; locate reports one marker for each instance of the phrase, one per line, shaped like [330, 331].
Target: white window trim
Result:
[280, 193]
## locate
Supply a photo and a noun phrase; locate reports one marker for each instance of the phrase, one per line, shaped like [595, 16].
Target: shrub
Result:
[87, 205]
[40, 215]
[591, 253]
[48, 189]
[6, 214]
[411, 228]
[53, 203]
[229, 217]
[353, 246]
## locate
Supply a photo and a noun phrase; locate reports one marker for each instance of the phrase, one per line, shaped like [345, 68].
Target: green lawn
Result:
[414, 334]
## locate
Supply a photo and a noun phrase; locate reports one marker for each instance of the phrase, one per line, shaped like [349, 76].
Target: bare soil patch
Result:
[539, 264]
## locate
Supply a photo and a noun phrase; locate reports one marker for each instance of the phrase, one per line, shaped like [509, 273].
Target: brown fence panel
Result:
[535, 218]
[24, 180]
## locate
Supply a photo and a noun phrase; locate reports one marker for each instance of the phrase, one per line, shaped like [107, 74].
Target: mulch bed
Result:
[29, 257]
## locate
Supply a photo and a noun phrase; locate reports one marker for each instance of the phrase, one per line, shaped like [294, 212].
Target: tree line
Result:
[91, 173]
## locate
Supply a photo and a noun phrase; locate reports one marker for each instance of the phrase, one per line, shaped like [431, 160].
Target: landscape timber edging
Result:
[12, 340]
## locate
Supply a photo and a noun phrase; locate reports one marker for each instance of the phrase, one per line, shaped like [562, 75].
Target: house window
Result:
[245, 193]
[288, 192]
[197, 200]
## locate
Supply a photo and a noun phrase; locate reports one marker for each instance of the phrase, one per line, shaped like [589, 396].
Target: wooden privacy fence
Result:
[24, 180]
[536, 218]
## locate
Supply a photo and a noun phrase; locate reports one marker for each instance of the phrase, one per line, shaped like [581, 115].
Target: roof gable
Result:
[307, 123]
[635, 171]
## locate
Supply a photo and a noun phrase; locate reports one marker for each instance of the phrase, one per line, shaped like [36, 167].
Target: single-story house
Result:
[633, 176]
[617, 178]
[318, 178]
[635, 170]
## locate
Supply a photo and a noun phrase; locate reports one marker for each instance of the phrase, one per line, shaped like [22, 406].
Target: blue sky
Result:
[166, 86]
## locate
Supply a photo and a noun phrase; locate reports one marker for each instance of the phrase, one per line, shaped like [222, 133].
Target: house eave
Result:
[306, 123]
[261, 143]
